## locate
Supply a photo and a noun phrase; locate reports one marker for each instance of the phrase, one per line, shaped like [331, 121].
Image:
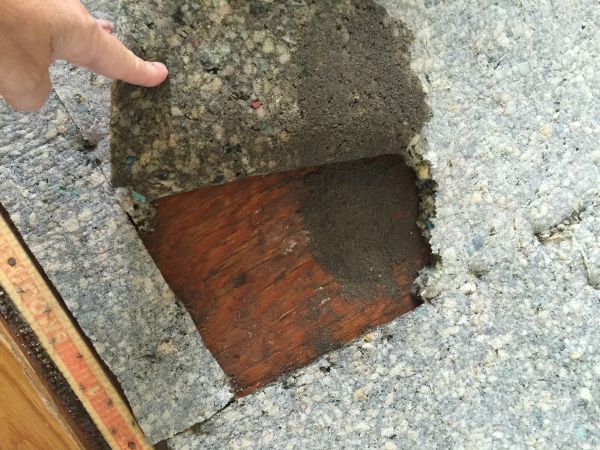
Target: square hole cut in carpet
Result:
[280, 269]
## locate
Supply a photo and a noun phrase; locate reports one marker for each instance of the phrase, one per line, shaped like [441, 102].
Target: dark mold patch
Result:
[259, 87]
[357, 96]
[361, 219]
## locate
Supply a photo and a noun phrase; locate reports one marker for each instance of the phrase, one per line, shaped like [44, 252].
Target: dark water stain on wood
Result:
[275, 269]
[361, 220]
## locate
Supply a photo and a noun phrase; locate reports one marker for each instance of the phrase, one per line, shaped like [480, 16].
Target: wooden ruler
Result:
[56, 332]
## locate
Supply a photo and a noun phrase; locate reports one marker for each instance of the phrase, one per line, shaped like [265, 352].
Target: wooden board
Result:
[239, 257]
[24, 343]
[42, 310]
[29, 416]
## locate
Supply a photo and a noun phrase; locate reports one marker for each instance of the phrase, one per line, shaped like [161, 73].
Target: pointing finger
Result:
[104, 54]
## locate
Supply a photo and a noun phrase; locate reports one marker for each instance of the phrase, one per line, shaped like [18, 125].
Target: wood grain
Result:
[238, 256]
[40, 306]
[29, 417]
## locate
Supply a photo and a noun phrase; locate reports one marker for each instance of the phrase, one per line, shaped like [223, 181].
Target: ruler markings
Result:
[62, 341]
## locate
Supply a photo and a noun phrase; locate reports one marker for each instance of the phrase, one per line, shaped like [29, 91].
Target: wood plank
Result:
[29, 416]
[71, 410]
[243, 258]
[44, 314]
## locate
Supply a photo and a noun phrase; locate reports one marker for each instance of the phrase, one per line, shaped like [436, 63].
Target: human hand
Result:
[34, 33]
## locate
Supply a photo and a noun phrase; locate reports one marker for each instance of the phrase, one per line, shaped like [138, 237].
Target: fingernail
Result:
[160, 65]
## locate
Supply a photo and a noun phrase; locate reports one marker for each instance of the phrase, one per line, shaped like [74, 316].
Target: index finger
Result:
[105, 55]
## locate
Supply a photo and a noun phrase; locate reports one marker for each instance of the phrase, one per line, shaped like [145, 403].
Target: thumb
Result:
[104, 54]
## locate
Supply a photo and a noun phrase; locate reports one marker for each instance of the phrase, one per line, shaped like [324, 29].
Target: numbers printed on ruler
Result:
[60, 339]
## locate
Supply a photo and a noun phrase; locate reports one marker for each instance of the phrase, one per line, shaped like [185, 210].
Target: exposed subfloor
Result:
[278, 270]
[506, 353]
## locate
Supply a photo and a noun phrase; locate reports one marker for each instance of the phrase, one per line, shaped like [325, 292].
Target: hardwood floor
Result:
[242, 258]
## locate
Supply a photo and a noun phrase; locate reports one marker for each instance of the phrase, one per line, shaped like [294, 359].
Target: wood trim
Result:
[29, 417]
[56, 332]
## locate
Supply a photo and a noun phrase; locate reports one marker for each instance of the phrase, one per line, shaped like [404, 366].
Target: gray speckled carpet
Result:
[505, 354]
[259, 87]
